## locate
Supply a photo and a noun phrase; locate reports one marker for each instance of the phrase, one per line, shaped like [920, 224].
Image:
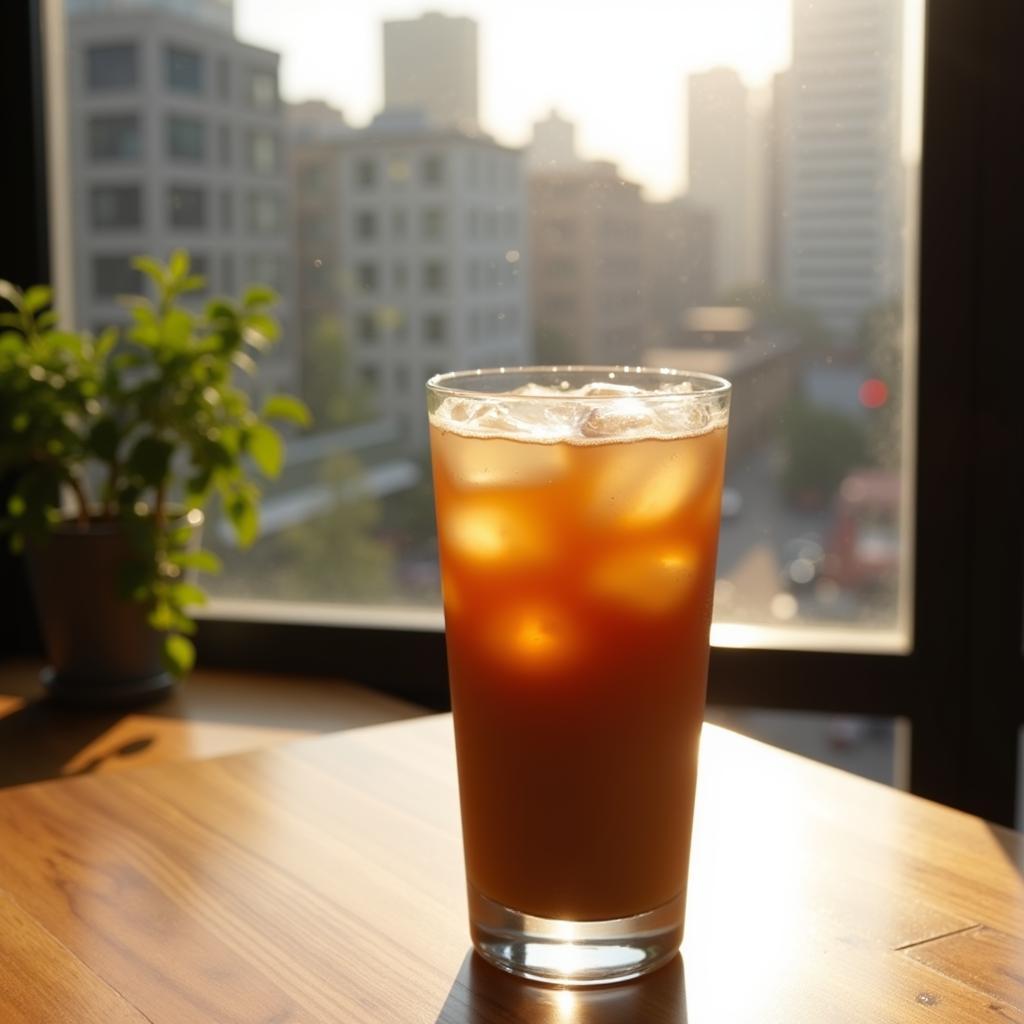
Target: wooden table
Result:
[322, 881]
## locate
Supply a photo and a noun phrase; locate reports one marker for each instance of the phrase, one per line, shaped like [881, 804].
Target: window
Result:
[186, 138]
[266, 268]
[223, 78]
[399, 223]
[224, 144]
[435, 328]
[400, 276]
[366, 327]
[115, 206]
[113, 276]
[183, 70]
[265, 212]
[186, 207]
[366, 173]
[262, 90]
[200, 267]
[114, 66]
[114, 137]
[435, 276]
[228, 278]
[227, 210]
[370, 377]
[366, 277]
[432, 169]
[262, 151]
[433, 224]
[366, 224]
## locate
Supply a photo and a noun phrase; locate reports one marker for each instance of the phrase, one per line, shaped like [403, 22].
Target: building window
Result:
[114, 137]
[366, 173]
[432, 169]
[366, 224]
[366, 328]
[200, 267]
[112, 67]
[227, 210]
[186, 207]
[113, 276]
[183, 70]
[228, 281]
[224, 144]
[115, 206]
[186, 138]
[399, 223]
[435, 329]
[400, 275]
[265, 212]
[223, 78]
[370, 377]
[313, 178]
[366, 277]
[433, 223]
[261, 92]
[435, 276]
[262, 151]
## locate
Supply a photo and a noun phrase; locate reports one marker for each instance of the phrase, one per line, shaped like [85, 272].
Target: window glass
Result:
[186, 207]
[186, 138]
[115, 206]
[739, 197]
[114, 137]
[112, 66]
[113, 276]
[183, 70]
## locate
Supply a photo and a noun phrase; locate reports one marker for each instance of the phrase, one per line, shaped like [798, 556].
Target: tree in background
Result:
[880, 339]
[820, 446]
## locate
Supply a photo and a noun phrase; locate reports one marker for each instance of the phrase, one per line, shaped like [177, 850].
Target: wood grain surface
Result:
[321, 881]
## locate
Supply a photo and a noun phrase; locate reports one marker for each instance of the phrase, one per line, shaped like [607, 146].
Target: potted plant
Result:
[114, 444]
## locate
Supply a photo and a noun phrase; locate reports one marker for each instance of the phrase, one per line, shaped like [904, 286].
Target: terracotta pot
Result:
[102, 649]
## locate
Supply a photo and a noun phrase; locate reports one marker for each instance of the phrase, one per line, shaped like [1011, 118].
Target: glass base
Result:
[575, 952]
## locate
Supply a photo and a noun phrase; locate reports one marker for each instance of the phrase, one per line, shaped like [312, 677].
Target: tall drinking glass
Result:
[577, 513]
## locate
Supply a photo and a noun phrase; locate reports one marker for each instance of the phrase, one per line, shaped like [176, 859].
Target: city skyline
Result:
[341, 62]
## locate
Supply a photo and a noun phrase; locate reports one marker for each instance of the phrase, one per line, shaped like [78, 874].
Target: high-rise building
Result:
[176, 142]
[843, 176]
[430, 65]
[723, 173]
[778, 134]
[414, 238]
[553, 146]
[678, 255]
[588, 284]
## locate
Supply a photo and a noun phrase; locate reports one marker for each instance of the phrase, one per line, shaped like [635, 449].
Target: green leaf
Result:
[244, 362]
[259, 295]
[179, 654]
[287, 408]
[151, 268]
[38, 297]
[266, 449]
[150, 459]
[16, 505]
[11, 293]
[203, 561]
[162, 616]
[103, 439]
[105, 343]
[193, 283]
[244, 517]
[260, 330]
[178, 265]
[184, 594]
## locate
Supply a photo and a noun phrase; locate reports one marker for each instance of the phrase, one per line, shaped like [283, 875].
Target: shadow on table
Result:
[41, 737]
[482, 994]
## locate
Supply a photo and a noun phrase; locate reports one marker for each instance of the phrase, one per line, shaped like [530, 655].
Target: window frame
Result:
[959, 684]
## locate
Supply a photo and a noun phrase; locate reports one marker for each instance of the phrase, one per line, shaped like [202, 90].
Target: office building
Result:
[553, 146]
[723, 172]
[414, 238]
[588, 280]
[176, 142]
[843, 212]
[430, 65]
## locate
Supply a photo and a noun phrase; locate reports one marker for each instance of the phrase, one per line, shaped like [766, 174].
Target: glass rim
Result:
[716, 386]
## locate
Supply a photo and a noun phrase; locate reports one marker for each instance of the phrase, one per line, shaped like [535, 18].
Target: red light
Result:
[873, 393]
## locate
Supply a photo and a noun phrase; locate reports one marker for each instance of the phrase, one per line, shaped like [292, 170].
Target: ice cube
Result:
[496, 462]
[488, 533]
[537, 635]
[608, 389]
[646, 483]
[624, 418]
[650, 580]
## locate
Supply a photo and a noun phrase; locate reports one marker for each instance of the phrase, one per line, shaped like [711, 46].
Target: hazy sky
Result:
[615, 68]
